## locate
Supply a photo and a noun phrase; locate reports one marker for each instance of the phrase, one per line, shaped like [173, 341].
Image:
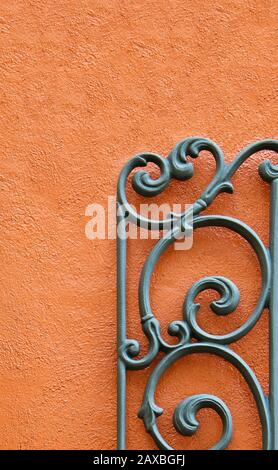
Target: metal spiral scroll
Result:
[177, 166]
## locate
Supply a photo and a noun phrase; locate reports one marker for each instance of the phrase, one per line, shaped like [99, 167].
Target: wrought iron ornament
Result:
[177, 166]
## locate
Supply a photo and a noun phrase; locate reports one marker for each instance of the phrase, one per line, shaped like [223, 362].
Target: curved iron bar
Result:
[177, 166]
[185, 414]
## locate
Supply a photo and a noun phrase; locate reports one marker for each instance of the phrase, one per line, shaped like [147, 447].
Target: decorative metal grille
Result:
[177, 166]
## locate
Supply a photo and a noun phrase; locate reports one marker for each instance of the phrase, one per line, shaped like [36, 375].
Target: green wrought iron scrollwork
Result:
[177, 166]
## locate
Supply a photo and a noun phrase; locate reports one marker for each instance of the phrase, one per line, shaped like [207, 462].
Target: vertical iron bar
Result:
[121, 330]
[273, 313]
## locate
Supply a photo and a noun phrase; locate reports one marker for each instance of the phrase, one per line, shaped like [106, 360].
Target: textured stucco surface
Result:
[84, 85]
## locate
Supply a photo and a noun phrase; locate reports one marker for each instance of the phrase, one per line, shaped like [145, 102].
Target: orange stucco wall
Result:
[84, 85]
